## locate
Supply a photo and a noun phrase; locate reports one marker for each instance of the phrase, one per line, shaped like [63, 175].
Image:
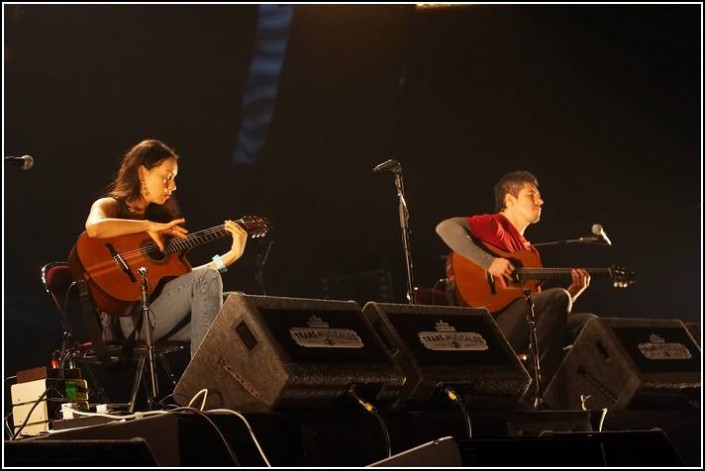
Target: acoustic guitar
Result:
[110, 265]
[476, 287]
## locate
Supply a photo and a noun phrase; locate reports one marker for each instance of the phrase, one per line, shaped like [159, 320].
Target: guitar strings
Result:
[560, 270]
[554, 273]
[180, 244]
[196, 238]
[256, 226]
[135, 254]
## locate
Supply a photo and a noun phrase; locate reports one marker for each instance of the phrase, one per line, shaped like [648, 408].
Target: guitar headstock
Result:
[256, 226]
[621, 277]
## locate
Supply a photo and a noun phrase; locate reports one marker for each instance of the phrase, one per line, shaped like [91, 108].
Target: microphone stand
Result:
[405, 235]
[534, 348]
[144, 291]
[261, 262]
[581, 240]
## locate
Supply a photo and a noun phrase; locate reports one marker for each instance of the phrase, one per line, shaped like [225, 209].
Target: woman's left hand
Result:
[239, 238]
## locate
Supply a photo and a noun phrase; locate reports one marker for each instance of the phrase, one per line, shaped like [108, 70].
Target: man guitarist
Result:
[140, 201]
[518, 204]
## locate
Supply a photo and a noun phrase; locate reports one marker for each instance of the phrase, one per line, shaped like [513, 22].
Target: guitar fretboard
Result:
[557, 274]
[196, 239]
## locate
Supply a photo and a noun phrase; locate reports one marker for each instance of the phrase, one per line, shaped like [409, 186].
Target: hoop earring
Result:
[145, 190]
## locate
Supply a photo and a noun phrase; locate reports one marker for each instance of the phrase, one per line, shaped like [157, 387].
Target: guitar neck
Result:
[557, 274]
[196, 239]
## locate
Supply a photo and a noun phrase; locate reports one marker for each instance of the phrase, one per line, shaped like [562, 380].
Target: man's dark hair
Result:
[511, 183]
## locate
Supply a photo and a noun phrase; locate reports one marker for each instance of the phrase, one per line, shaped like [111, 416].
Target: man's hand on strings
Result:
[581, 281]
[502, 268]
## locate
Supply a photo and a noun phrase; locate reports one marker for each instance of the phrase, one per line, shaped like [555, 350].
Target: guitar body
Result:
[109, 266]
[475, 287]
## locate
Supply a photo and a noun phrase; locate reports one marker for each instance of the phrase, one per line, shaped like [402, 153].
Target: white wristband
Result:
[219, 264]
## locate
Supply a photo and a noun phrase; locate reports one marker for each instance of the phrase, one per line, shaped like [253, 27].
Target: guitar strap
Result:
[91, 318]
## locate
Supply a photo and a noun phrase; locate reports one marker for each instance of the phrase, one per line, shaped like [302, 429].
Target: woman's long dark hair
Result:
[126, 186]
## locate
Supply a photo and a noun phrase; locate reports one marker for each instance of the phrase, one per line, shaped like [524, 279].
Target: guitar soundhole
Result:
[153, 253]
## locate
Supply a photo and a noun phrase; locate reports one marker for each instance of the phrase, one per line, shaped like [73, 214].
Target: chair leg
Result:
[164, 361]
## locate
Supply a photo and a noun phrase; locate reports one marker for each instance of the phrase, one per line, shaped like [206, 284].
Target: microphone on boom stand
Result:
[599, 237]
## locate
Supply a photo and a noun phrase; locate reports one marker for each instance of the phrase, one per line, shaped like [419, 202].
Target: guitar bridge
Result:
[121, 263]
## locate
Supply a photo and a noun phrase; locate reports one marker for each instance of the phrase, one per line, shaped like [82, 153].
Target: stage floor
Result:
[354, 438]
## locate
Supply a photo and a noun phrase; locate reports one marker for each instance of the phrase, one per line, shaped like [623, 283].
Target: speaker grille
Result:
[627, 363]
[438, 346]
[264, 353]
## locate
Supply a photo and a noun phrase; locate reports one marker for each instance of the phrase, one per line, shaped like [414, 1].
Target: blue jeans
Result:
[198, 293]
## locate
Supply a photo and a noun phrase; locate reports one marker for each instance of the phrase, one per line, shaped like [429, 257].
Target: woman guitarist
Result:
[488, 241]
[140, 201]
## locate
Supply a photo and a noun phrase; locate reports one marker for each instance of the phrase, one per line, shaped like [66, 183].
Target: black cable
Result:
[228, 448]
[161, 401]
[249, 430]
[453, 396]
[70, 346]
[372, 410]
[604, 455]
[383, 426]
[7, 424]
[68, 336]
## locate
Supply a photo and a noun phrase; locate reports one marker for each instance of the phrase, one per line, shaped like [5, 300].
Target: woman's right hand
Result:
[160, 230]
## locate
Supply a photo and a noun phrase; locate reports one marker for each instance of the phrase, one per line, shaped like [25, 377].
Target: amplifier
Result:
[263, 353]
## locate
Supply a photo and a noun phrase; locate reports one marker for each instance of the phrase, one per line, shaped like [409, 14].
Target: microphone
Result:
[391, 165]
[26, 161]
[599, 231]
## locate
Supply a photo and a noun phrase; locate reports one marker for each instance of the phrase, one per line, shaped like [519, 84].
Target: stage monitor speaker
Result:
[133, 452]
[263, 353]
[642, 448]
[694, 329]
[177, 439]
[535, 422]
[627, 363]
[440, 453]
[441, 346]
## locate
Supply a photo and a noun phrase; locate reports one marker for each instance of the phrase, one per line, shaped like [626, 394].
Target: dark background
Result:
[601, 102]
